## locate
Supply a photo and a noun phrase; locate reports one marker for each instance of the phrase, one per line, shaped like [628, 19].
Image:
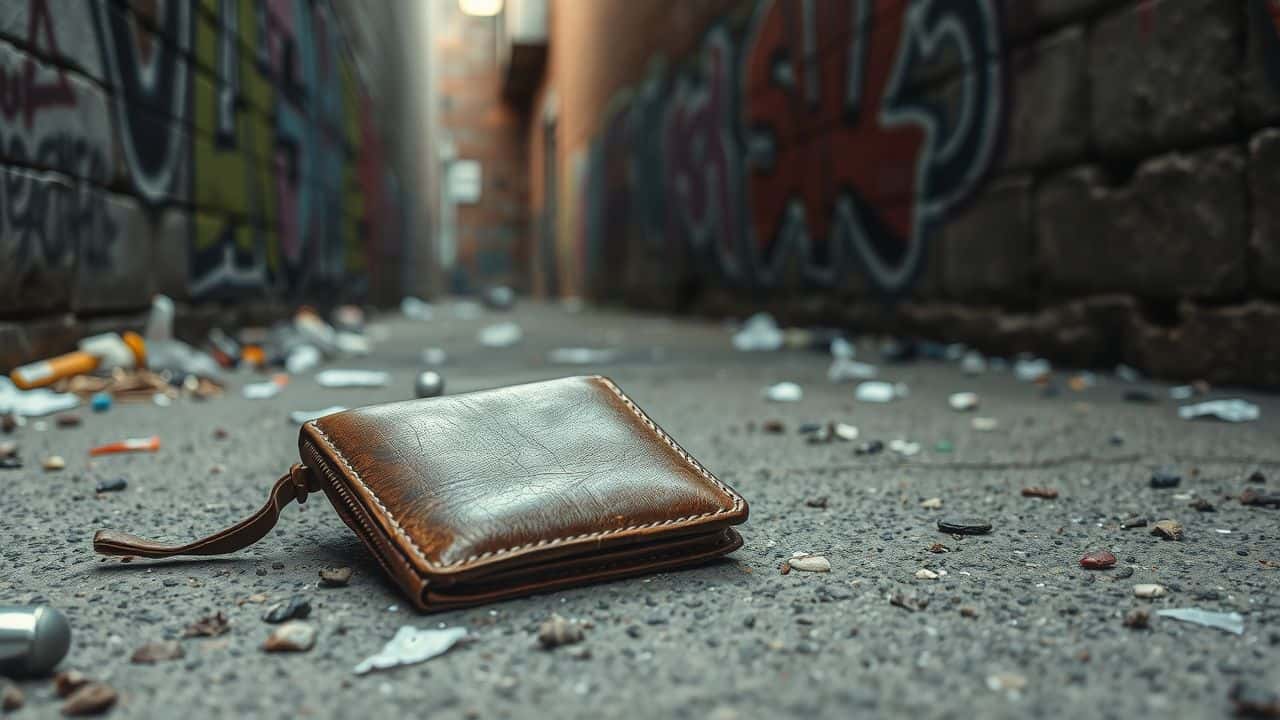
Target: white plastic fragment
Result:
[876, 391]
[926, 574]
[503, 334]
[760, 333]
[842, 349]
[984, 424]
[809, 563]
[1231, 622]
[845, 432]
[846, 369]
[301, 417]
[1031, 369]
[904, 448]
[415, 308]
[1182, 392]
[33, 403]
[411, 645]
[784, 392]
[1234, 411]
[1149, 590]
[260, 390]
[302, 359]
[348, 378]
[973, 363]
[963, 401]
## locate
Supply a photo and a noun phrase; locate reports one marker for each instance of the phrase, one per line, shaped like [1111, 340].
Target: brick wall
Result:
[213, 150]
[1085, 178]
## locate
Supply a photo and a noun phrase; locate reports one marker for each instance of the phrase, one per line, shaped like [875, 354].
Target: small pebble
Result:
[67, 420]
[112, 485]
[1100, 560]
[926, 574]
[932, 503]
[1133, 522]
[53, 463]
[1202, 505]
[1040, 492]
[295, 608]
[1138, 619]
[556, 631]
[984, 424]
[92, 699]
[1164, 479]
[293, 636]
[69, 681]
[809, 563]
[101, 402]
[818, 502]
[335, 577]
[963, 401]
[1257, 477]
[158, 651]
[1150, 590]
[964, 526]
[773, 427]
[1168, 529]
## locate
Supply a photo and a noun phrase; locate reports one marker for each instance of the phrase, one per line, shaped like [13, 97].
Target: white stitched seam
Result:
[694, 464]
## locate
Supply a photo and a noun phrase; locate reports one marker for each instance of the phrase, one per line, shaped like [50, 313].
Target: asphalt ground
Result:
[1014, 628]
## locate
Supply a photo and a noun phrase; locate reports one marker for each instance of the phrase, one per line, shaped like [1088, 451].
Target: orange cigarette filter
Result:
[147, 444]
[48, 372]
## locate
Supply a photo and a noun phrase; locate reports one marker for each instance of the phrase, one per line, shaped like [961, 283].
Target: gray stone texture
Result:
[1164, 73]
[987, 248]
[1264, 187]
[1178, 229]
[1259, 96]
[1049, 115]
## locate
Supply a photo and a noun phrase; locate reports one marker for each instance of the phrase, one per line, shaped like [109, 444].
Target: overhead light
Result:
[480, 8]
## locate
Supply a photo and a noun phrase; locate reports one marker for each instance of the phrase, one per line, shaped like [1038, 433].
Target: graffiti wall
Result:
[211, 149]
[802, 143]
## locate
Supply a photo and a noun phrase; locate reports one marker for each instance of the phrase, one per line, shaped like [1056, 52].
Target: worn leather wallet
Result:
[487, 495]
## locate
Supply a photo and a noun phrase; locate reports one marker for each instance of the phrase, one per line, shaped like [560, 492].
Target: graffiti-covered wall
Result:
[210, 149]
[1087, 178]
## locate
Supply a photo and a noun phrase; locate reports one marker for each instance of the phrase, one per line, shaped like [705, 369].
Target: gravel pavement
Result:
[1012, 627]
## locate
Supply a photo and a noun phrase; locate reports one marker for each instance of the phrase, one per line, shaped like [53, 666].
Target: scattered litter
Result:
[208, 626]
[53, 463]
[964, 526]
[1231, 622]
[106, 351]
[1235, 411]
[1165, 479]
[265, 390]
[939, 548]
[33, 403]
[293, 636]
[100, 402]
[301, 417]
[805, 562]
[819, 503]
[904, 448]
[926, 574]
[842, 349]
[984, 424]
[973, 363]
[504, 334]
[760, 333]
[112, 485]
[428, 384]
[1149, 590]
[844, 431]
[1257, 477]
[909, 603]
[1168, 529]
[158, 651]
[933, 503]
[91, 699]
[963, 401]
[784, 392]
[556, 631]
[335, 577]
[348, 378]
[1138, 619]
[295, 608]
[1202, 505]
[1182, 392]
[434, 357]
[10, 462]
[1082, 381]
[352, 343]
[1127, 374]
[499, 297]
[1254, 498]
[773, 427]
[67, 420]
[581, 356]
[412, 645]
[1040, 492]
[875, 391]
[1253, 701]
[1133, 522]
[848, 369]
[416, 309]
[69, 681]
[302, 359]
[869, 448]
[147, 444]
[1031, 369]
[1100, 560]
[1006, 682]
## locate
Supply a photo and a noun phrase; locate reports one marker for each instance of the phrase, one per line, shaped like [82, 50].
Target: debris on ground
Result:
[1234, 411]
[412, 645]
[1040, 492]
[128, 445]
[265, 390]
[556, 631]
[434, 356]
[973, 363]
[984, 424]
[67, 420]
[760, 333]
[870, 447]
[1231, 622]
[499, 297]
[1164, 479]
[877, 391]
[349, 378]
[904, 448]
[416, 309]
[933, 503]
[11, 696]
[844, 432]
[1257, 477]
[32, 403]
[819, 503]
[581, 356]
[1203, 505]
[115, 484]
[773, 427]
[208, 626]
[1253, 701]
[963, 401]
[296, 607]
[1253, 498]
[104, 352]
[1029, 369]
[1100, 560]
[157, 651]
[848, 370]
[1149, 590]
[92, 699]
[293, 636]
[100, 402]
[1138, 619]
[784, 392]
[428, 384]
[1167, 529]
[806, 562]
[964, 526]
[53, 463]
[939, 548]
[1006, 682]
[500, 335]
[68, 681]
[335, 577]
[926, 574]
[908, 602]
[302, 417]
[1133, 521]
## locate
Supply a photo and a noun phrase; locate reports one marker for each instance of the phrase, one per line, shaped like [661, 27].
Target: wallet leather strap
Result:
[294, 485]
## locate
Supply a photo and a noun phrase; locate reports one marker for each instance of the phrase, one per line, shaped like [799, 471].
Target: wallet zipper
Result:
[357, 511]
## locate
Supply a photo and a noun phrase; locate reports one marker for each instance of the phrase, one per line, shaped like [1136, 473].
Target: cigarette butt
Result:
[47, 372]
[148, 444]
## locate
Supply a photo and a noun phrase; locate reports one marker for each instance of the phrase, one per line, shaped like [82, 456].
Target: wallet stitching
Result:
[694, 464]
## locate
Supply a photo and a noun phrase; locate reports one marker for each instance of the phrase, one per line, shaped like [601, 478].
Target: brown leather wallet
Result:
[487, 495]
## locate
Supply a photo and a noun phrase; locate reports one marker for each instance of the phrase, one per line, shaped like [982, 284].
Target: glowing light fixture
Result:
[480, 8]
